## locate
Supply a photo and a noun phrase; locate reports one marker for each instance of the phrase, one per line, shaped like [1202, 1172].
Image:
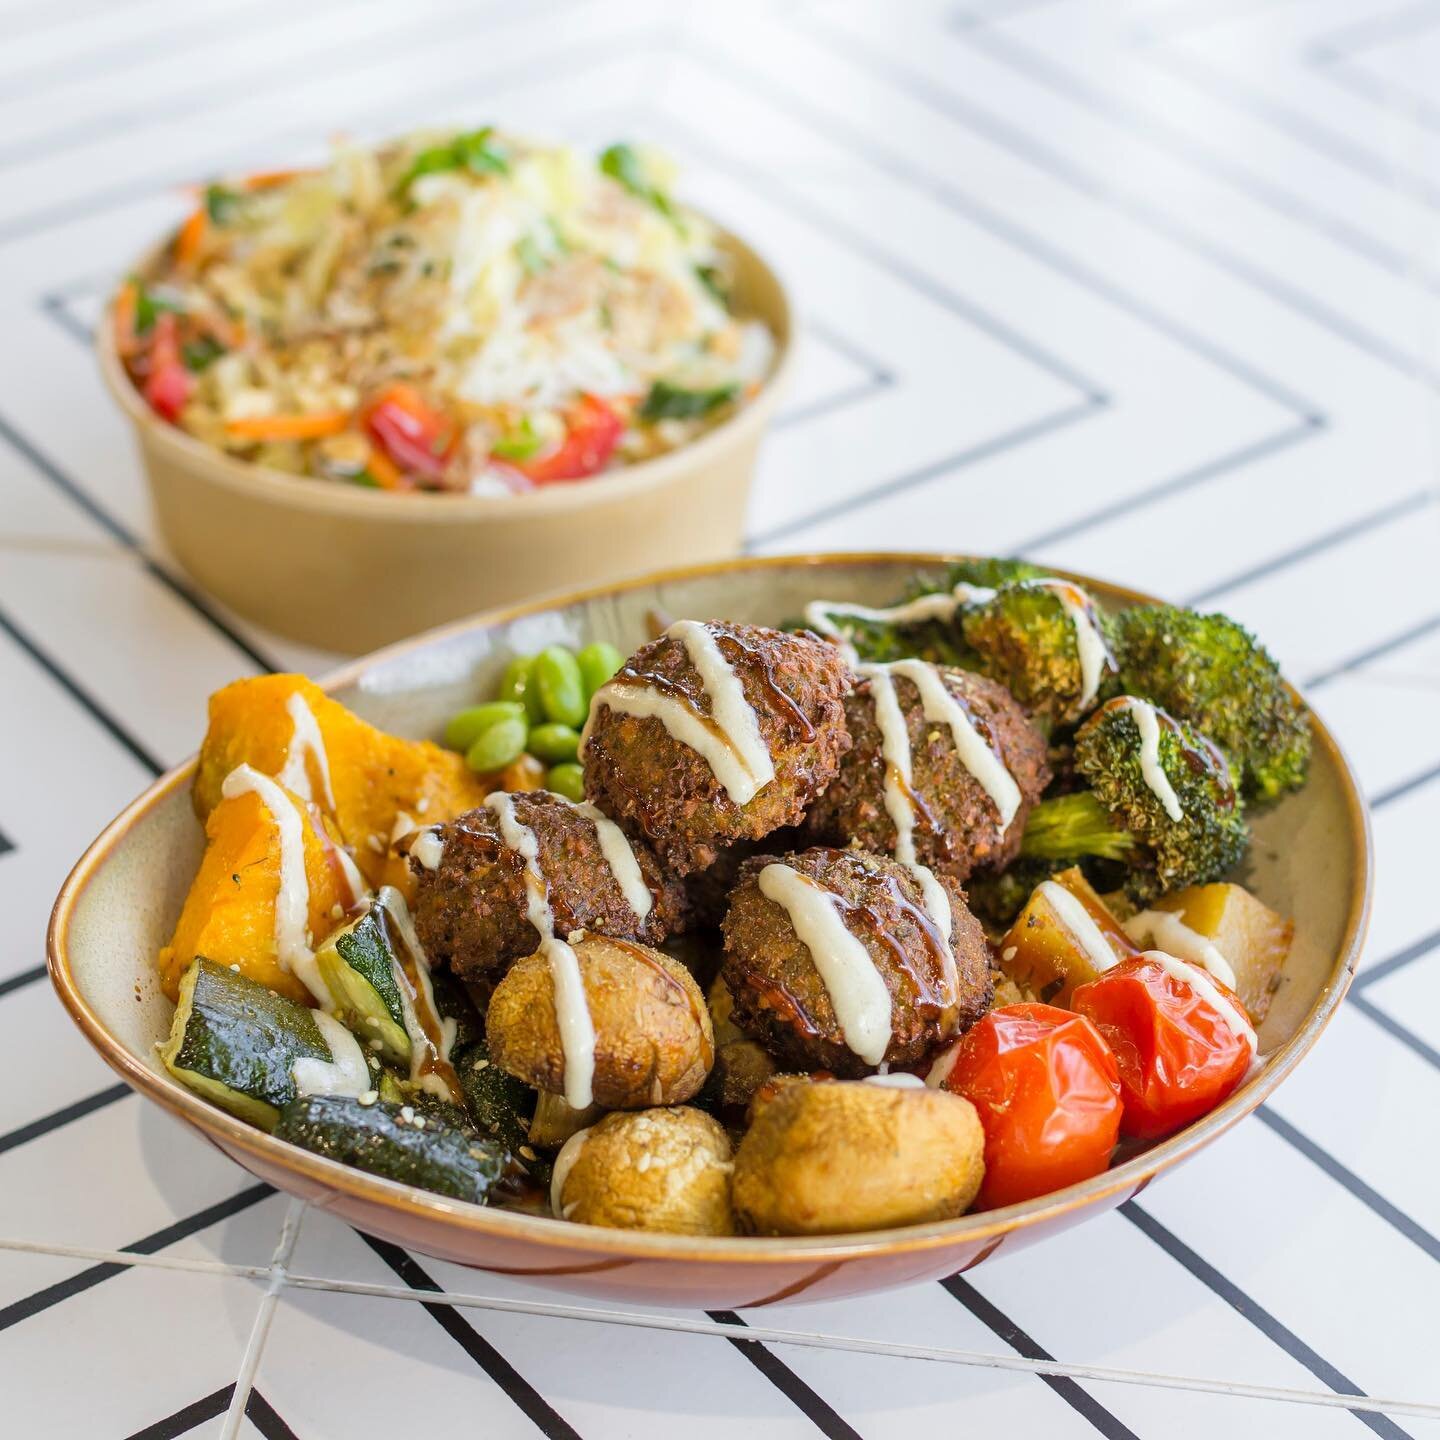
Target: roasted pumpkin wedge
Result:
[286, 726]
[229, 914]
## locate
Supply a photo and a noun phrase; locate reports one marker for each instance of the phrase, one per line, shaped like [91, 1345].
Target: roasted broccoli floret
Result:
[1212, 672]
[1168, 810]
[992, 574]
[1047, 642]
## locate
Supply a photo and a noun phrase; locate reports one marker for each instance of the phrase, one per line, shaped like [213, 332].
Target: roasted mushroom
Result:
[654, 1044]
[716, 733]
[666, 1170]
[829, 1157]
[833, 962]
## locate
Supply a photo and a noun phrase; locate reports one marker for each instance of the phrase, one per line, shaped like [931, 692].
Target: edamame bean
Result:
[497, 745]
[554, 743]
[567, 780]
[598, 662]
[562, 692]
[518, 684]
[466, 728]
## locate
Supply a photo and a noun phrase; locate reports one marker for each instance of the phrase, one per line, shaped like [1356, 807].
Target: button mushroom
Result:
[666, 1170]
[654, 1044]
[831, 1157]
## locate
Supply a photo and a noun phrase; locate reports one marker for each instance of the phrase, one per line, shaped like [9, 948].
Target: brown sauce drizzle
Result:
[433, 1062]
[784, 702]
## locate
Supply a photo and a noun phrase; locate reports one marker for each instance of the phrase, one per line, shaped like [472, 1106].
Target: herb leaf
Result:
[713, 280]
[221, 203]
[621, 163]
[670, 402]
[198, 354]
[471, 151]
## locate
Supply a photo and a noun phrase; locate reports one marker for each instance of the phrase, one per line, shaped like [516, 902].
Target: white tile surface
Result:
[1152, 290]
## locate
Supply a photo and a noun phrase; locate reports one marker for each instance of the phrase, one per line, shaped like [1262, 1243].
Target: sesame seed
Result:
[369, 1097]
[419, 1122]
[376, 1043]
[406, 1114]
[482, 1064]
[527, 1152]
[373, 1021]
[337, 911]
[422, 804]
[1008, 953]
[236, 968]
[575, 937]
[375, 843]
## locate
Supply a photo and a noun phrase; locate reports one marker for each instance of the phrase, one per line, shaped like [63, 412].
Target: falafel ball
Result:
[471, 909]
[794, 685]
[957, 824]
[937, 989]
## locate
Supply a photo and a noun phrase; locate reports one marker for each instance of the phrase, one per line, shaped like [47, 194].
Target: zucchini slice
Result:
[235, 1042]
[498, 1103]
[398, 1143]
[358, 965]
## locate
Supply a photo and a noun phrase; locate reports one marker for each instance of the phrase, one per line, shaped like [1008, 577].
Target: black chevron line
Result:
[1371, 973]
[1097, 185]
[1243, 1304]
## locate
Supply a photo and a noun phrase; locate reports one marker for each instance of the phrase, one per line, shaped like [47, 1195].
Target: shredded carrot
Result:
[126, 304]
[387, 473]
[191, 238]
[268, 179]
[290, 427]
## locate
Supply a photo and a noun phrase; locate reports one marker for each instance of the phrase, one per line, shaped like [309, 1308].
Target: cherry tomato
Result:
[1045, 1085]
[168, 385]
[1179, 1056]
[416, 438]
[594, 430]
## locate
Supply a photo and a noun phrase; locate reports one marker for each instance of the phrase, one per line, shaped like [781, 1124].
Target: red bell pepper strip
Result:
[594, 432]
[416, 437]
[169, 384]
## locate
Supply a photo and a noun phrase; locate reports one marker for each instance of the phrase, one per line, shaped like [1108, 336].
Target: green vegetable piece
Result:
[713, 280]
[234, 1042]
[598, 662]
[621, 163]
[530, 255]
[554, 743]
[567, 780]
[518, 683]
[562, 691]
[466, 727]
[381, 1140]
[671, 402]
[358, 964]
[498, 1103]
[1120, 817]
[222, 203]
[520, 444]
[471, 151]
[148, 305]
[200, 354]
[497, 745]
[453, 1002]
[1213, 673]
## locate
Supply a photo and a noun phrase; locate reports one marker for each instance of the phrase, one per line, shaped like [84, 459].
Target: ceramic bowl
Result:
[1311, 860]
[347, 569]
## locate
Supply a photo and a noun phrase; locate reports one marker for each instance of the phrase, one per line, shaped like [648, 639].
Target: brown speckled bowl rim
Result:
[327, 497]
[1124, 1179]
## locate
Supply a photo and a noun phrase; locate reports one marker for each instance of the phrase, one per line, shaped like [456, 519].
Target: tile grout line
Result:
[264, 1315]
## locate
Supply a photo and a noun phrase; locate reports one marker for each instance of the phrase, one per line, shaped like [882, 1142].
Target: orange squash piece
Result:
[229, 914]
[374, 776]
[1041, 951]
[1247, 932]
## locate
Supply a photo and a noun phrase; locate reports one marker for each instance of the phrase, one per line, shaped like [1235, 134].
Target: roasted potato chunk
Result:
[654, 1044]
[829, 1157]
[666, 1170]
[1047, 952]
[1250, 935]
